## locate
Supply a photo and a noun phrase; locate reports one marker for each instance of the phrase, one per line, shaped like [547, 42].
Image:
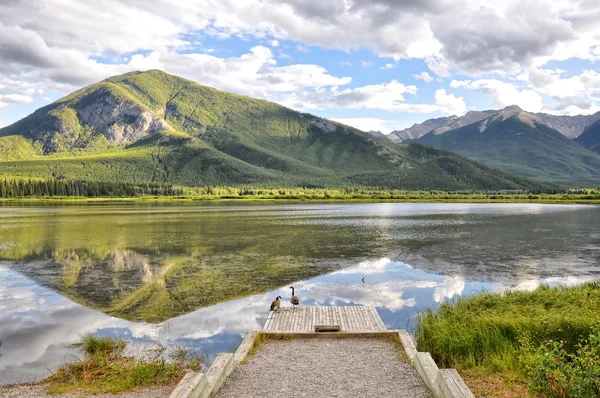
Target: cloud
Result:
[474, 37]
[449, 104]
[16, 99]
[552, 83]
[500, 40]
[302, 48]
[385, 96]
[438, 65]
[366, 64]
[426, 77]
[345, 63]
[388, 66]
[504, 94]
[367, 124]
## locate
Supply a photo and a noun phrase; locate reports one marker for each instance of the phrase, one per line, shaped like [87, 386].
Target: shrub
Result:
[554, 372]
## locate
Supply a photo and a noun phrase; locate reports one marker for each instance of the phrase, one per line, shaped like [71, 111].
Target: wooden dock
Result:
[355, 322]
[304, 319]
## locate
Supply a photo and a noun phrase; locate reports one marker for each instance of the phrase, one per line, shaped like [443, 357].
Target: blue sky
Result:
[377, 65]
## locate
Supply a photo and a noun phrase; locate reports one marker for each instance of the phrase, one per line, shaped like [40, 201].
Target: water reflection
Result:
[37, 324]
[202, 276]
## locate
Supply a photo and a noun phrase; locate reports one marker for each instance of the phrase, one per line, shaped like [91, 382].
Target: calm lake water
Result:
[202, 275]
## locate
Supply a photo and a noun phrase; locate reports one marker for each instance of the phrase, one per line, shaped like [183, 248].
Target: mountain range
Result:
[155, 127]
[569, 126]
[562, 149]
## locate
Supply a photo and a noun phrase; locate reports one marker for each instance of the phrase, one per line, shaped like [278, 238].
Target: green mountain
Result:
[517, 142]
[590, 138]
[155, 127]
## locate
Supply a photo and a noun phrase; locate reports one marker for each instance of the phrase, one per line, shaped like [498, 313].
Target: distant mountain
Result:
[419, 130]
[569, 126]
[155, 127]
[590, 138]
[378, 134]
[517, 142]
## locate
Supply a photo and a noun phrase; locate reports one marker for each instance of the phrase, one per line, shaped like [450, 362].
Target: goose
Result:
[276, 303]
[294, 299]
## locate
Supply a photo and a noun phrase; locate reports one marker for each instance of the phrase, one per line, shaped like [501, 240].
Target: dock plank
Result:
[304, 319]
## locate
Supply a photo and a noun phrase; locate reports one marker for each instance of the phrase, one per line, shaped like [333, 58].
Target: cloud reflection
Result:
[37, 324]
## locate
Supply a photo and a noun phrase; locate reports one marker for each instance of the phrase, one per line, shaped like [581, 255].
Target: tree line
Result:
[83, 188]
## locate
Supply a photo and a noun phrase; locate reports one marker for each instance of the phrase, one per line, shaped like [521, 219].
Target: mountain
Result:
[419, 130]
[517, 142]
[154, 127]
[569, 126]
[590, 138]
[377, 134]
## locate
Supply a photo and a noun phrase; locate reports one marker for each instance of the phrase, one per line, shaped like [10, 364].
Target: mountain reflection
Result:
[156, 287]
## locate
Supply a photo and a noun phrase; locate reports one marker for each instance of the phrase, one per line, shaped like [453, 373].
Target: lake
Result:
[201, 275]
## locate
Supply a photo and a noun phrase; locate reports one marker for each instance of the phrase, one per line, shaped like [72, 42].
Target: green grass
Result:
[286, 193]
[106, 370]
[483, 331]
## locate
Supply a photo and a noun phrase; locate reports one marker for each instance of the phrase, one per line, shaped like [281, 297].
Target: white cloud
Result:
[506, 94]
[426, 77]
[459, 83]
[438, 65]
[16, 98]
[385, 96]
[551, 83]
[388, 66]
[366, 64]
[302, 48]
[345, 63]
[475, 37]
[367, 124]
[449, 104]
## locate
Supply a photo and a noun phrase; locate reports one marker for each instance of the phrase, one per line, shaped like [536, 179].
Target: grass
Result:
[495, 385]
[362, 194]
[483, 336]
[106, 369]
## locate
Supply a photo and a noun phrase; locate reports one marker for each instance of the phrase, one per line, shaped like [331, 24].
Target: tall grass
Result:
[105, 368]
[486, 330]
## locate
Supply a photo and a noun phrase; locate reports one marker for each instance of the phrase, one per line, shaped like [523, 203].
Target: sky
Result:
[375, 64]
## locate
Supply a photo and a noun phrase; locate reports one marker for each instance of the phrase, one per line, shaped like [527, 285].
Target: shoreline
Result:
[192, 199]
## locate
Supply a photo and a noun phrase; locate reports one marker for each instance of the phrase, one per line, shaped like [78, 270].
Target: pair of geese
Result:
[275, 304]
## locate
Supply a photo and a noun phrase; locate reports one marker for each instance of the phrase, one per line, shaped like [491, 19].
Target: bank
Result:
[544, 341]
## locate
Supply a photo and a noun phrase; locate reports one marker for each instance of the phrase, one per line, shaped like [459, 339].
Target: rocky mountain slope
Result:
[517, 142]
[155, 127]
[419, 130]
[569, 126]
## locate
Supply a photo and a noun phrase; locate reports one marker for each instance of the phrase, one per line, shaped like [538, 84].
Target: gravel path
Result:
[325, 368]
[37, 391]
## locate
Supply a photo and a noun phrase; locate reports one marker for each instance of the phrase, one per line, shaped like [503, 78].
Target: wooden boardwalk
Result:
[340, 360]
[304, 319]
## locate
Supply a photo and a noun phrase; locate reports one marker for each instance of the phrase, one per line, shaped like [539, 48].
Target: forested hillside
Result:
[590, 138]
[518, 143]
[152, 127]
